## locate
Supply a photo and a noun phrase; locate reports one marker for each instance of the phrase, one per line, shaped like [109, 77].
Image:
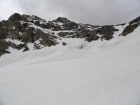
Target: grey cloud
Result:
[96, 12]
[8, 7]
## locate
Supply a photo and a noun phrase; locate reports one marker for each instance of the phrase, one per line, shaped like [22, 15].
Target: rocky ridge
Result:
[21, 31]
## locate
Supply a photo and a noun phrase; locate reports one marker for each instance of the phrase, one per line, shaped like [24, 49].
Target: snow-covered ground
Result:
[81, 73]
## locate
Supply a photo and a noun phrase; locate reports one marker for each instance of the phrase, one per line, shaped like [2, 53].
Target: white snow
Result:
[20, 33]
[13, 27]
[37, 42]
[59, 23]
[101, 73]
[17, 42]
[40, 28]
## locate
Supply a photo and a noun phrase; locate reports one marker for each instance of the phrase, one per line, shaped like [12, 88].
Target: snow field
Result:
[101, 73]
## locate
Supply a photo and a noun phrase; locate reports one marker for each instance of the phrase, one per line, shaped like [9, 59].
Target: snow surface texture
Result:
[81, 73]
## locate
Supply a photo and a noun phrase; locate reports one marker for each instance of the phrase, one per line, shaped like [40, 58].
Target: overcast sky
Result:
[95, 12]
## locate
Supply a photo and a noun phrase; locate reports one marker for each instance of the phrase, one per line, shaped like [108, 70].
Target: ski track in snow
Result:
[101, 73]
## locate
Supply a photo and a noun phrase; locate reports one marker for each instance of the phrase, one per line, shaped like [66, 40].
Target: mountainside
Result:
[76, 64]
[24, 32]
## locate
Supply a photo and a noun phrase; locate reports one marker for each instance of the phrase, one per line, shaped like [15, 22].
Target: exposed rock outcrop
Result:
[3, 47]
[26, 29]
[131, 27]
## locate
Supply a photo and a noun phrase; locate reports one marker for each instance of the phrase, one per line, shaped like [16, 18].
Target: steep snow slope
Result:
[81, 73]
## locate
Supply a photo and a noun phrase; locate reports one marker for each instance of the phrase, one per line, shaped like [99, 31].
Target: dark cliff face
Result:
[137, 20]
[23, 28]
[15, 17]
[131, 27]
[41, 33]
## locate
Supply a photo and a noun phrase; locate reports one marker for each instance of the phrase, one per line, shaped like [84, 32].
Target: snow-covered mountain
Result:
[61, 62]
[24, 32]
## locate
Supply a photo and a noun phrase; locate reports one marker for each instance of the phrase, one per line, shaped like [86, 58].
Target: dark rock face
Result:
[3, 34]
[129, 29]
[135, 20]
[62, 20]
[65, 34]
[28, 35]
[3, 31]
[3, 47]
[15, 17]
[107, 32]
[23, 28]
[92, 36]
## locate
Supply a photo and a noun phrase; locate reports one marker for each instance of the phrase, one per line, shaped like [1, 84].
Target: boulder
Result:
[64, 44]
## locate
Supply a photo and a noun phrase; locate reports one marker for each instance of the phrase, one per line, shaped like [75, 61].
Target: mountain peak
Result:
[28, 29]
[61, 20]
[15, 16]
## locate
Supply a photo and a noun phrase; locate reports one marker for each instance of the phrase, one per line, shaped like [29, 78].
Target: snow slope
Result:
[98, 73]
